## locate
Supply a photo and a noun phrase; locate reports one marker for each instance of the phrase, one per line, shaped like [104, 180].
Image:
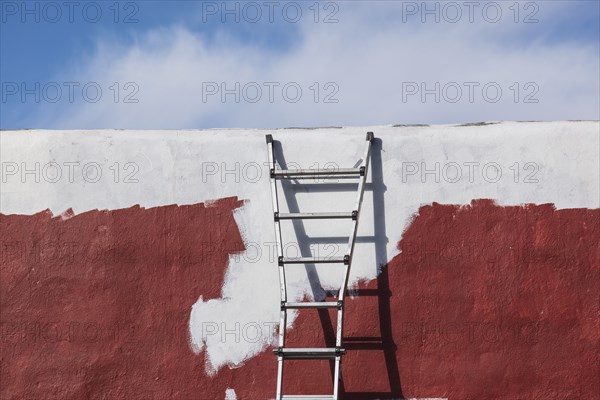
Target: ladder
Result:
[285, 353]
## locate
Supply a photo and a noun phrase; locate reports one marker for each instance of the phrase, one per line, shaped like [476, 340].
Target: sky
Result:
[266, 64]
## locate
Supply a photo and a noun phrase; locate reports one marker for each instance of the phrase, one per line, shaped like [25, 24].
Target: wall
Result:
[140, 264]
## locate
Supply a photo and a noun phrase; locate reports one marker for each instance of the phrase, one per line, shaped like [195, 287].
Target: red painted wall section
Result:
[483, 302]
[97, 306]
[497, 302]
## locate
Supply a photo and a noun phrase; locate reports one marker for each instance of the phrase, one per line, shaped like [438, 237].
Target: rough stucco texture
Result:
[97, 306]
[483, 302]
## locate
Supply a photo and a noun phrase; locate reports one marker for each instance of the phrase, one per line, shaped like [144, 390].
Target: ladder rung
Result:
[313, 304]
[318, 173]
[313, 260]
[324, 215]
[309, 396]
[309, 354]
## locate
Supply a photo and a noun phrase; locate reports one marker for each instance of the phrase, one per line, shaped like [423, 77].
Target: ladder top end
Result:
[269, 138]
[370, 136]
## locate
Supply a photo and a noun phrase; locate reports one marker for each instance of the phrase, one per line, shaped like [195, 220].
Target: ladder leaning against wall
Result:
[285, 353]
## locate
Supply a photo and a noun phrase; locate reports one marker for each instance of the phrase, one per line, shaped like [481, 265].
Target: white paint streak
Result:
[171, 166]
[230, 394]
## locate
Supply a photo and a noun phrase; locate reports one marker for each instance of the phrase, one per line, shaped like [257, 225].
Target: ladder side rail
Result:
[337, 378]
[351, 241]
[352, 238]
[282, 282]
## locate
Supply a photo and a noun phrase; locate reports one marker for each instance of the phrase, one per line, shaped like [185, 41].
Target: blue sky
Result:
[165, 64]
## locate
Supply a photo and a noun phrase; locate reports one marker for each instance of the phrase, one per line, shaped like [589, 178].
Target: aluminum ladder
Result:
[285, 353]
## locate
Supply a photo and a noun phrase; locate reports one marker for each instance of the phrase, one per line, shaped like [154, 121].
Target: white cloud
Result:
[371, 55]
